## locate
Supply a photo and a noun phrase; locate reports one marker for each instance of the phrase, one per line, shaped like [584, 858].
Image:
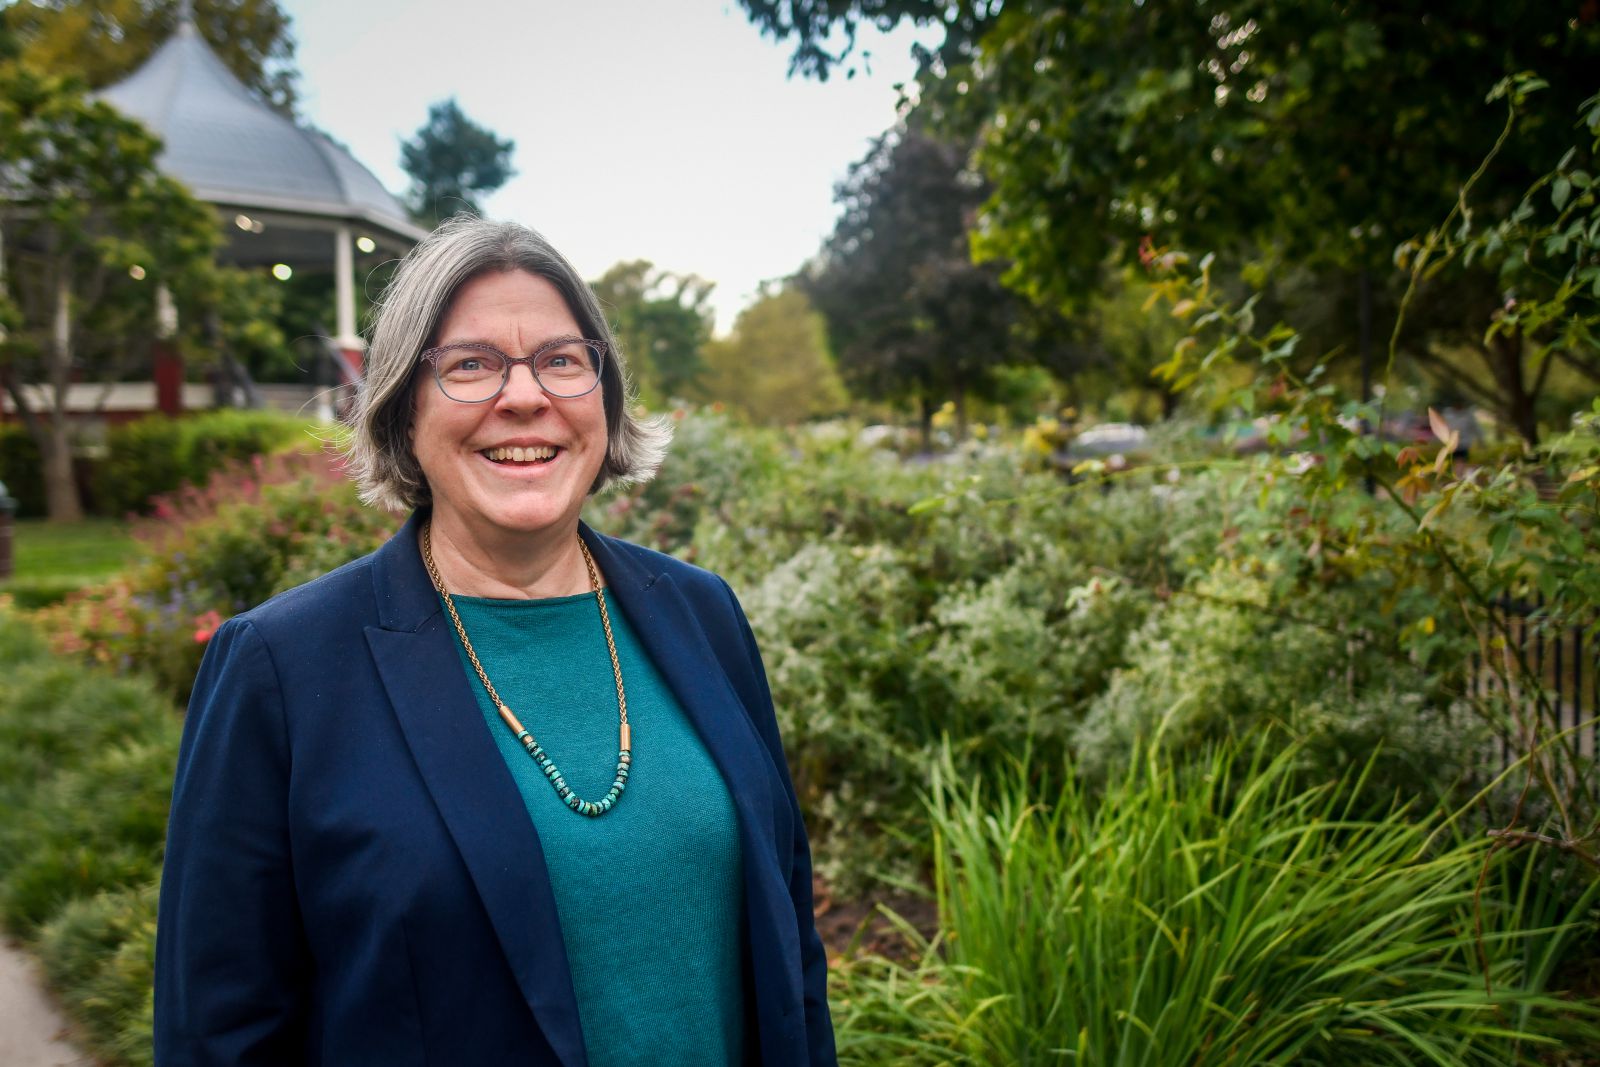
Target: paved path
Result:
[30, 1025]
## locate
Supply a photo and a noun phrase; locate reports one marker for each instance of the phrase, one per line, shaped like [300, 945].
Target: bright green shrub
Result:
[98, 825]
[1210, 909]
[55, 715]
[159, 454]
[19, 643]
[86, 765]
[99, 955]
[29, 594]
[21, 471]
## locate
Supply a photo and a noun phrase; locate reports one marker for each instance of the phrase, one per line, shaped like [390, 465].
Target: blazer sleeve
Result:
[232, 969]
[813, 960]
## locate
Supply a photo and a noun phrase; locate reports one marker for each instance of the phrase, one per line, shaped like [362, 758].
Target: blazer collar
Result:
[406, 597]
[405, 594]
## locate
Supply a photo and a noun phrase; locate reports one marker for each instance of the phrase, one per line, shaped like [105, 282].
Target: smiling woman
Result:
[374, 859]
[509, 468]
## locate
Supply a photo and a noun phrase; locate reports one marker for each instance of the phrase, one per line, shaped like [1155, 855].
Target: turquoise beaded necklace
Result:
[591, 808]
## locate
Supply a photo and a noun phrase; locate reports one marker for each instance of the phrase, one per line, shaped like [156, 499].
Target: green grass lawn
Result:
[50, 559]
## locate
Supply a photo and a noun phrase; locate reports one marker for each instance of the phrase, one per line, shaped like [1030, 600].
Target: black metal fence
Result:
[1559, 662]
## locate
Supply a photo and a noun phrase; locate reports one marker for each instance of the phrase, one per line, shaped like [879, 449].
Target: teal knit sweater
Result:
[650, 894]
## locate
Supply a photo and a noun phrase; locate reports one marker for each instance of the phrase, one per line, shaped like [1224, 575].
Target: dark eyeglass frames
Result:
[474, 373]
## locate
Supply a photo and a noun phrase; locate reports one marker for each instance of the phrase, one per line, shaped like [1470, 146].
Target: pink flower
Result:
[205, 626]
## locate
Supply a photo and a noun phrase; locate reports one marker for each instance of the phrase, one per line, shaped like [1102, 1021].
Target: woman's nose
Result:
[522, 389]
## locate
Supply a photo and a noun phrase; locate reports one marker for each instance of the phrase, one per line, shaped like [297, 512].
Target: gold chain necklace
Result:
[594, 808]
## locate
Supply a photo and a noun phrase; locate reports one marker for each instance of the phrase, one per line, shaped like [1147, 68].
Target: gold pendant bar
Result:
[510, 719]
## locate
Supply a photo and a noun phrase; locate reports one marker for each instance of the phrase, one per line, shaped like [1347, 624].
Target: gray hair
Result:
[404, 322]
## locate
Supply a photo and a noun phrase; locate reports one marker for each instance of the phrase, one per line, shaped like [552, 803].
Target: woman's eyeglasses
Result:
[474, 373]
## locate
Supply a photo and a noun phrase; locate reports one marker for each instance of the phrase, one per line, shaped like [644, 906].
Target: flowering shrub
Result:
[256, 528]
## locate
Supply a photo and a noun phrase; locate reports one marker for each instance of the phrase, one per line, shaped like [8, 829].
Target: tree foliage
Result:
[774, 368]
[1482, 536]
[103, 41]
[1286, 137]
[910, 317]
[662, 321]
[453, 163]
[1329, 132]
[1332, 130]
[91, 230]
[824, 31]
[1537, 266]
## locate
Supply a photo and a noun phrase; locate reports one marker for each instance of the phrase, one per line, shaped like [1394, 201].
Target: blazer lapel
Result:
[667, 627]
[671, 632]
[471, 786]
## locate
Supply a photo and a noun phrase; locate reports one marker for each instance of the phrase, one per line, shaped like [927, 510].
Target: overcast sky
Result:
[665, 130]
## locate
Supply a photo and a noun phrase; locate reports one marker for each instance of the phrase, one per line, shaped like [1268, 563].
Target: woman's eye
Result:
[473, 365]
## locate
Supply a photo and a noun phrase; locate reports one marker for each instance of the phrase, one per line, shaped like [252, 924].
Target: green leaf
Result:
[1499, 540]
[1560, 192]
[1549, 582]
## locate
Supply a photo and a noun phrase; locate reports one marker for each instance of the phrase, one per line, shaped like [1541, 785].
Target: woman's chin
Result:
[516, 514]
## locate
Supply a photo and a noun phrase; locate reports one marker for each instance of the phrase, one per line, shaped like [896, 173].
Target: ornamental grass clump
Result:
[99, 954]
[100, 824]
[1215, 911]
[86, 765]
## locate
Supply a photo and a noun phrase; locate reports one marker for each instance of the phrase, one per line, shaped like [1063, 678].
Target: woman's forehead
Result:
[512, 306]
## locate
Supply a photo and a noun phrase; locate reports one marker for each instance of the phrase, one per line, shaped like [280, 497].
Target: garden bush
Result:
[54, 714]
[159, 454]
[99, 955]
[19, 643]
[258, 527]
[1209, 908]
[94, 825]
[973, 597]
[1212, 662]
[86, 765]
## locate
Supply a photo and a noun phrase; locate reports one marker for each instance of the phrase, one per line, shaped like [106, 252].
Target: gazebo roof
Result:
[234, 151]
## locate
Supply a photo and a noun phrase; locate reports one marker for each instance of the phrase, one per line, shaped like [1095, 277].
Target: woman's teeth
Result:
[537, 454]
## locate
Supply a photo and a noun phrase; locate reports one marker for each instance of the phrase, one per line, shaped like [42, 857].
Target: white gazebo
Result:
[286, 194]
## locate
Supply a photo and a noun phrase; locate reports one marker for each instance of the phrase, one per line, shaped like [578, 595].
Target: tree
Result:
[102, 41]
[91, 231]
[1329, 132]
[1319, 134]
[824, 31]
[774, 367]
[910, 317]
[662, 321]
[453, 162]
[1537, 264]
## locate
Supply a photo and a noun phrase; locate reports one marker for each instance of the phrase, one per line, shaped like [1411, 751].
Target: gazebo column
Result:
[344, 273]
[166, 361]
[352, 350]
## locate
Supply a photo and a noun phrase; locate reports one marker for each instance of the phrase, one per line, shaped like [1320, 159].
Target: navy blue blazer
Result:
[351, 877]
